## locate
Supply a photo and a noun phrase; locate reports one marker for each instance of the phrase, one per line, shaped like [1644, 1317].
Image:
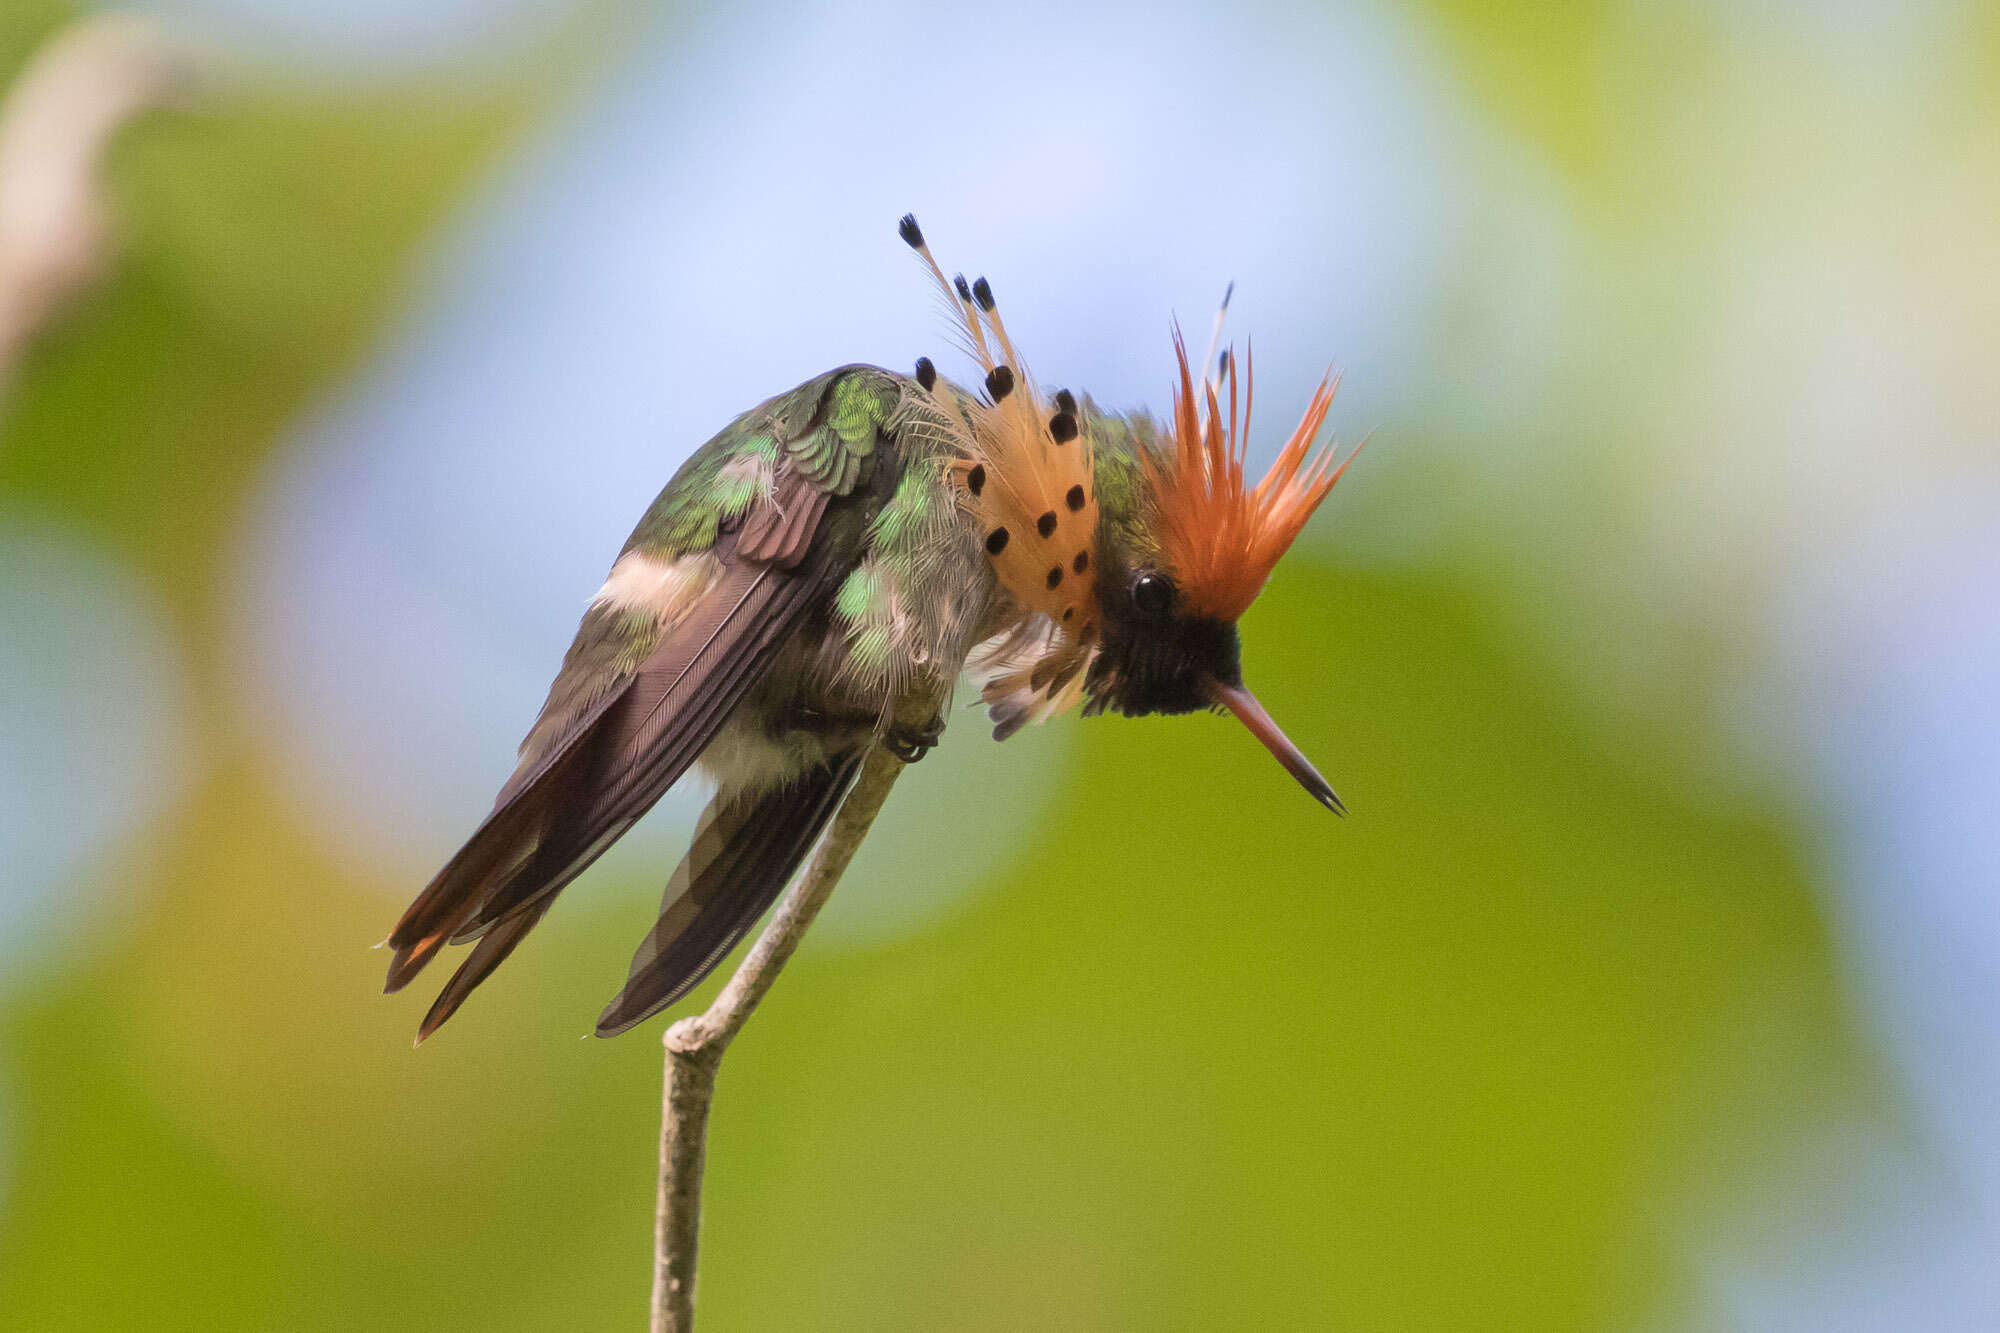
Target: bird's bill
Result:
[1252, 715]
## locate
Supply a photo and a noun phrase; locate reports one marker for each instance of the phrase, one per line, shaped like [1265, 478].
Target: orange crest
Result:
[1026, 476]
[1220, 538]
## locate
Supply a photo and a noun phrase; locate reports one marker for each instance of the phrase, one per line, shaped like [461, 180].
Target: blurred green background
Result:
[1532, 1040]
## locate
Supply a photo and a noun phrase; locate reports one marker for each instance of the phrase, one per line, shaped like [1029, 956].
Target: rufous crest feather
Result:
[1027, 478]
[1219, 536]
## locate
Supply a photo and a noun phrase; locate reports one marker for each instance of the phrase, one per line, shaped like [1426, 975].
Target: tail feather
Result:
[743, 854]
[491, 951]
[491, 858]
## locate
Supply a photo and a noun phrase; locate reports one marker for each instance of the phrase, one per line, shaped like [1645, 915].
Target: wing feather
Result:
[744, 853]
[676, 703]
[638, 700]
[489, 953]
[621, 755]
[503, 840]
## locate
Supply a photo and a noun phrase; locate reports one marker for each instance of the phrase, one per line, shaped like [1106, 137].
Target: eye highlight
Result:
[1153, 595]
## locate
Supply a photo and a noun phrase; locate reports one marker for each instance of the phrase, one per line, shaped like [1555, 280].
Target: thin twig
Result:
[695, 1045]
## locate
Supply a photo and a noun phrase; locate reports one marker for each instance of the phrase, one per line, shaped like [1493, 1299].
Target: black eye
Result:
[1153, 594]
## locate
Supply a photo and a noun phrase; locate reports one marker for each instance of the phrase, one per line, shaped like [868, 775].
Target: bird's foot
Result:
[910, 743]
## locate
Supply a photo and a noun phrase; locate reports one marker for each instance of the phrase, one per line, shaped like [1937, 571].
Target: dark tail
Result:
[489, 953]
[744, 853]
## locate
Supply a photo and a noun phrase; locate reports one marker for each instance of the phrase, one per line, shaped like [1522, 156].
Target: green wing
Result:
[782, 498]
[825, 432]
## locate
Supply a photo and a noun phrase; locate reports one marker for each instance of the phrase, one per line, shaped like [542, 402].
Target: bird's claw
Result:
[911, 743]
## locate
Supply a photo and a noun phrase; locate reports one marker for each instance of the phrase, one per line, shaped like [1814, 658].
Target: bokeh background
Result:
[1654, 982]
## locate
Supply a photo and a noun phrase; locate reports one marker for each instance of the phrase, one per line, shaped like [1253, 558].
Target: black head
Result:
[1155, 657]
[1156, 654]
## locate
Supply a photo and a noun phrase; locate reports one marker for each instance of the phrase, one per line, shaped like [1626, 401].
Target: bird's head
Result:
[1130, 548]
[1185, 544]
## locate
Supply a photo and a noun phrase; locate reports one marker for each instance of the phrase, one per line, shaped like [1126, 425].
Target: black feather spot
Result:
[975, 480]
[1055, 575]
[926, 373]
[912, 234]
[1066, 401]
[1075, 499]
[964, 292]
[1068, 611]
[1081, 563]
[982, 292]
[996, 541]
[1000, 382]
[1062, 427]
[1046, 524]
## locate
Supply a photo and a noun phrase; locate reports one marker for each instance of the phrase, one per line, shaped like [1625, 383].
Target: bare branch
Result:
[695, 1045]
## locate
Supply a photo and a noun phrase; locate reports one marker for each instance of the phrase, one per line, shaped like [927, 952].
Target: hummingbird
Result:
[816, 579]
